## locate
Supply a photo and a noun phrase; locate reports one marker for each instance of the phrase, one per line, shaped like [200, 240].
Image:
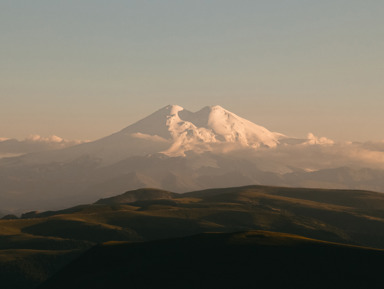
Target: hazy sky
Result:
[83, 69]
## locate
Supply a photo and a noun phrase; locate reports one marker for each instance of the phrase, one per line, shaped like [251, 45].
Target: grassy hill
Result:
[354, 217]
[343, 216]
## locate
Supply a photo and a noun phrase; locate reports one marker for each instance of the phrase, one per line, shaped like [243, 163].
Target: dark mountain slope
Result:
[26, 268]
[256, 259]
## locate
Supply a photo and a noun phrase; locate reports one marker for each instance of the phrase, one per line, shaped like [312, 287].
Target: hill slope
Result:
[47, 240]
[355, 217]
[256, 259]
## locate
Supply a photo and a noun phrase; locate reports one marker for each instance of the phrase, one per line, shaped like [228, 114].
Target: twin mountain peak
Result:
[210, 128]
[171, 131]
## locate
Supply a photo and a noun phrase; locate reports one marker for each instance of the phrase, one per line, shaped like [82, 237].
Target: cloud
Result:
[50, 139]
[310, 154]
[33, 143]
[366, 153]
[376, 146]
[9, 155]
[314, 140]
[315, 154]
[144, 136]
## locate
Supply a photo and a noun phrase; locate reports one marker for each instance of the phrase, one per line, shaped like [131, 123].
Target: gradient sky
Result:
[83, 69]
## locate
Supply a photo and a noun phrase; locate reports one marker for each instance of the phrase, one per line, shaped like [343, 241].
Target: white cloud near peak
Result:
[314, 140]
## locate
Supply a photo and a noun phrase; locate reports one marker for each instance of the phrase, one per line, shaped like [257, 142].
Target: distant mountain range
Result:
[178, 150]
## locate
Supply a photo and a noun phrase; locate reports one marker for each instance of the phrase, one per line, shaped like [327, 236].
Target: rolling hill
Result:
[38, 244]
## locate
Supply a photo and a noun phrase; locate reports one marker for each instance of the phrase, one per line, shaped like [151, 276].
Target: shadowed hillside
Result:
[343, 216]
[256, 259]
[23, 268]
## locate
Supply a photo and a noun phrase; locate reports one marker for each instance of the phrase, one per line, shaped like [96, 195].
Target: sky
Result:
[83, 69]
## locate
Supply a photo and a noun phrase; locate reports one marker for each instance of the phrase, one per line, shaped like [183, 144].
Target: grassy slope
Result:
[27, 260]
[256, 259]
[354, 217]
[332, 215]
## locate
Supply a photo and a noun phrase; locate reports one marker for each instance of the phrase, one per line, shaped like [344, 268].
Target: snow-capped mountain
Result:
[201, 131]
[179, 150]
[173, 131]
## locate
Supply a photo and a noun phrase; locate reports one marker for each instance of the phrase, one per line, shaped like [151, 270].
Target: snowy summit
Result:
[209, 128]
[172, 131]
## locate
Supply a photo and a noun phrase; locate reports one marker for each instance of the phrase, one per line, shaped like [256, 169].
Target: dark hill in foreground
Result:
[255, 259]
[52, 238]
[354, 217]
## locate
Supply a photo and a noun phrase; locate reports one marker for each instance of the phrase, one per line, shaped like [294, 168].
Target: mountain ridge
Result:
[187, 131]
